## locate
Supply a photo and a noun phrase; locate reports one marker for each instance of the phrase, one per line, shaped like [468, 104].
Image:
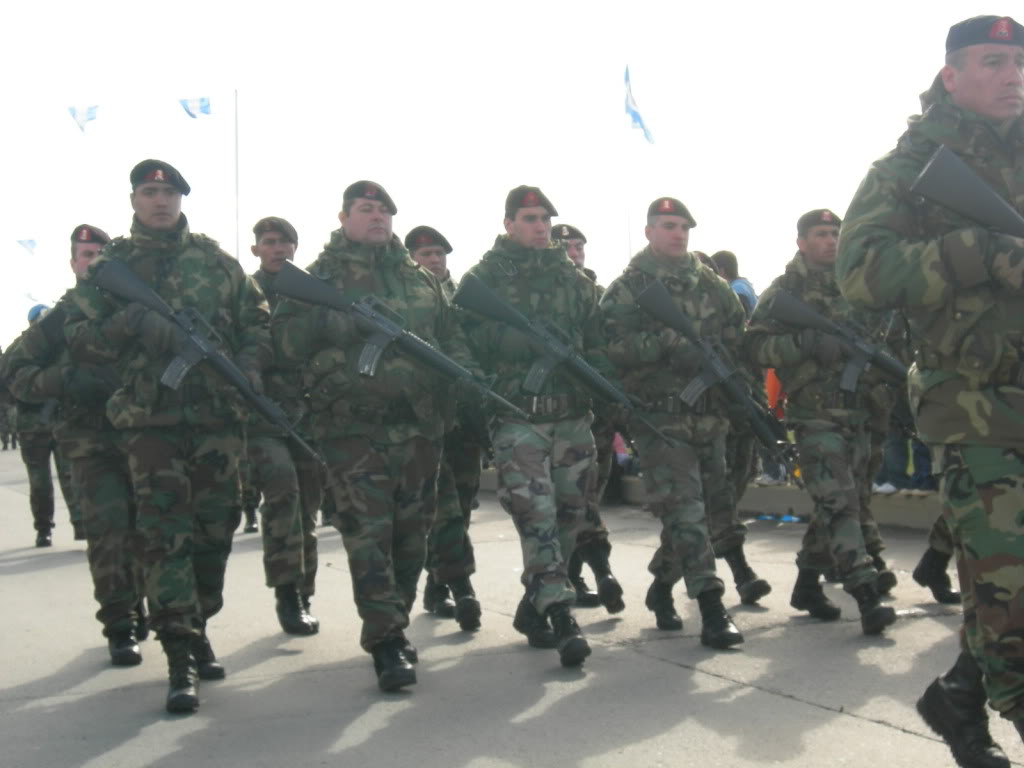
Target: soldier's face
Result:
[157, 205]
[531, 227]
[273, 250]
[574, 250]
[367, 221]
[819, 245]
[668, 236]
[991, 81]
[433, 258]
[82, 256]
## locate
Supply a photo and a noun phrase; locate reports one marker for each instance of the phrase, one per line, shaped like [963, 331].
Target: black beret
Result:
[526, 197]
[424, 237]
[566, 232]
[158, 170]
[370, 190]
[87, 233]
[984, 29]
[815, 218]
[669, 206]
[276, 224]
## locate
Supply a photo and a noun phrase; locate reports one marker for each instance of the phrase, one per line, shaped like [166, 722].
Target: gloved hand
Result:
[823, 347]
[339, 327]
[84, 387]
[255, 381]
[683, 354]
[156, 332]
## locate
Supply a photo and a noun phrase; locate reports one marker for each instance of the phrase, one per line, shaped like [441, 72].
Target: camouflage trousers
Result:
[291, 487]
[594, 536]
[113, 542]
[383, 498]
[449, 548]
[677, 480]
[982, 492]
[833, 461]
[723, 496]
[36, 449]
[940, 538]
[546, 473]
[873, 542]
[189, 501]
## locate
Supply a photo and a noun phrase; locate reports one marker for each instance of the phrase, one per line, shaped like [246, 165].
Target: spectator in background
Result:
[728, 268]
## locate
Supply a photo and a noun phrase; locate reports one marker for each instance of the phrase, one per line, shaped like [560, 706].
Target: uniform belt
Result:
[395, 412]
[674, 405]
[557, 406]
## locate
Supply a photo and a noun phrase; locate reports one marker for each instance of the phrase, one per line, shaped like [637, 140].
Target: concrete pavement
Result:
[798, 693]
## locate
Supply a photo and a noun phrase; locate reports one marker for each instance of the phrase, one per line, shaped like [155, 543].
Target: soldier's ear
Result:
[342, 217]
[253, 249]
[508, 226]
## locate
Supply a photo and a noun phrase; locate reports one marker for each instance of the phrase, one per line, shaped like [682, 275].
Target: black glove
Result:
[157, 333]
[823, 347]
[84, 387]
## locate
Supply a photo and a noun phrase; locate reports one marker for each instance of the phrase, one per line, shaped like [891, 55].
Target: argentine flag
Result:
[634, 112]
[28, 245]
[82, 115]
[195, 107]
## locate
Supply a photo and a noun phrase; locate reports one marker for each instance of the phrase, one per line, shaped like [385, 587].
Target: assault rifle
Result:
[382, 326]
[950, 182]
[789, 310]
[474, 295]
[656, 301]
[195, 345]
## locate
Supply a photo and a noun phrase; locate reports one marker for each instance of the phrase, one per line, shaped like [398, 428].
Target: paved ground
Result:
[799, 693]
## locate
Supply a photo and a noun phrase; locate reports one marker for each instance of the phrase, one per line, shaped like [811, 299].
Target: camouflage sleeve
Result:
[630, 340]
[767, 343]
[32, 367]
[595, 347]
[885, 261]
[452, 338]
[294, 334]
[733, 325]
[252, 315]
[96, 329]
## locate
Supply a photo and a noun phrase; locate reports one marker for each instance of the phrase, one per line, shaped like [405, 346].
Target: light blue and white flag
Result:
[82, 115]
[195, 107]
[28, 245]
[633, 112]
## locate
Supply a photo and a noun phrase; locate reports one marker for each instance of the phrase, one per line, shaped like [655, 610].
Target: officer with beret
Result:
[448, 591]
[288, 479]
[958, 284]
[183, 445]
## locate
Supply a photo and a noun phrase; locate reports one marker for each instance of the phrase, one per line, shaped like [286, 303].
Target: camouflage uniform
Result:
[288, 479]
[39, 368]
[830, 426]
[546, 470]
[35, 434]
[380, 436]
[6, 422]
[183, 445]
[959, 286]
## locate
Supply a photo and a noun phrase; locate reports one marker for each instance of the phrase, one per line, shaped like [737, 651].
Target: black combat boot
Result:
[535, 626]
[183, 688]
[886, 578]
[585, 597]
[609, 591]
[392, 667]
[408, 649]
[124, 651]
[931, 573]
[874, 617]
[290, 614]
[809, 596]
[954, 707]
[750, 587]
[467, 607]
[313, 620]
[659, 599]
[141, 621]
[437, 600]
[250, 521]
[44, 538]
[717, 629]
[206, 661]
[572, 646]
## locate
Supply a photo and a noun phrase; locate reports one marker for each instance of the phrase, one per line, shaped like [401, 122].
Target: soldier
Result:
[592, 545]
[379, 435]
[38, 368]
[656, 364]
[35, 422]
[183, 445]
[6, 425]
[545, 465]
[830, 425]
[288, 479]
[959, 286]
[450, 560]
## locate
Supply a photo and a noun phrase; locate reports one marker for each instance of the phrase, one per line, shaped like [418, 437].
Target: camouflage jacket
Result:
[958, 284]
[641, 348]
[403, 399]
[40, 374]
[189, 272]
[812, 390]
[30, 415]
[546, 287]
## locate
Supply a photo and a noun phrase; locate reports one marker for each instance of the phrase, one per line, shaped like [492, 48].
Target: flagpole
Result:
[238, 241]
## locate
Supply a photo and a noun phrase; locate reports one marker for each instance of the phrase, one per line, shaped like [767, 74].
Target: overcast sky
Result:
[759, 112]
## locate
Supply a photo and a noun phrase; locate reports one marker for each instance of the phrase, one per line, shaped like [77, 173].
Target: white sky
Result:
[759, 111]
